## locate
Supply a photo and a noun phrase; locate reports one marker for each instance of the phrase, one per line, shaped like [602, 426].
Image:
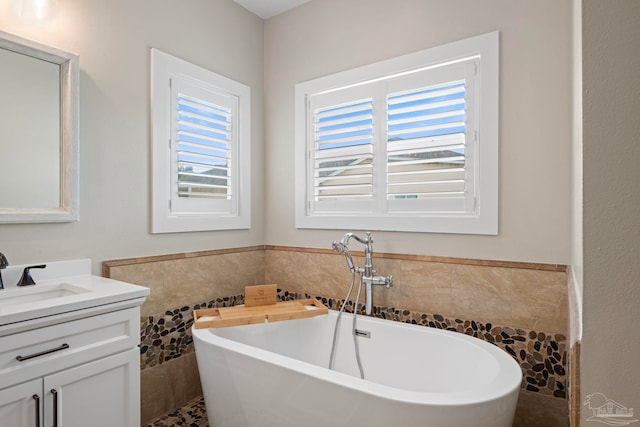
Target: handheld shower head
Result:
[342, 248]
[338, 247]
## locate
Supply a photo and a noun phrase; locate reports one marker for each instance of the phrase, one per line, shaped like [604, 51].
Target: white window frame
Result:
[482, 215]
[169, 213]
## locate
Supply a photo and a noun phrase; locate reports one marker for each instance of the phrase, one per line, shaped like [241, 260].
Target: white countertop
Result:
[72, 286]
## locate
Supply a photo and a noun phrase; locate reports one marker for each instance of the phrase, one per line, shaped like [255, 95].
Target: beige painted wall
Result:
[327, 36]
[611, 93]
[113, 38]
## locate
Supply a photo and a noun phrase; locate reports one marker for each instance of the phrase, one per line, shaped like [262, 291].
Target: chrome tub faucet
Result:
[367, 274]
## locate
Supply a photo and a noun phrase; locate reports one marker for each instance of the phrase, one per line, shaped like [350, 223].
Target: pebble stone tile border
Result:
[541, 355]
[167, 335]
[193, 414]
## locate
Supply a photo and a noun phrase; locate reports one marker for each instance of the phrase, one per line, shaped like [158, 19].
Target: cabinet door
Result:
[103, 393]
[21, 405]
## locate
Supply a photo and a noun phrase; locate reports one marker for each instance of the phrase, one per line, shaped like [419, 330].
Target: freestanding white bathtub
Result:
[276, 375]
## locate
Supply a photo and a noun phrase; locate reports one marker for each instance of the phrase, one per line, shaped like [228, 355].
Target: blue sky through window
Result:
[346, 125]
[203, 134]
[443, 112]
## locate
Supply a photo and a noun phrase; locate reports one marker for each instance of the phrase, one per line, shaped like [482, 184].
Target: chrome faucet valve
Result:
[368, 273]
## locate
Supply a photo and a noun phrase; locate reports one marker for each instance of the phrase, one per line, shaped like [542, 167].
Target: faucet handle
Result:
[26, 279]
[389, 281]
[4, 263]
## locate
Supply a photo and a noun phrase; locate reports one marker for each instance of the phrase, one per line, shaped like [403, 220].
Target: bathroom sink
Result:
[64, 290]
[32, 294]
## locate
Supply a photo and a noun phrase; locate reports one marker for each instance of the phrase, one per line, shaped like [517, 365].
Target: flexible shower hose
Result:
[336, 328]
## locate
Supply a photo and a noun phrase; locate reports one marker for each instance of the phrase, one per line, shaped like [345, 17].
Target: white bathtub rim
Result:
[498, 388]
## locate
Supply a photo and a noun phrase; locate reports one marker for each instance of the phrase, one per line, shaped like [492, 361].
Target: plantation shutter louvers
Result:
[205, 144]
[343, 151]
[204, 151]
[426, 142]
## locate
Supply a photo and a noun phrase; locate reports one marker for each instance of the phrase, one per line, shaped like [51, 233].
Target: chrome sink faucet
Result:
[367, 274]
[4, 263]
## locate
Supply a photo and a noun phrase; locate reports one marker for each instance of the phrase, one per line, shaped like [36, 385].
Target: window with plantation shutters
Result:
[408, 144]
[205, 141]
[200, 148]
[203, 147]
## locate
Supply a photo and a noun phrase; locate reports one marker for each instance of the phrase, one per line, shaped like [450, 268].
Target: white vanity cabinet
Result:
[103, 393]
[77, 373]
[21, 405]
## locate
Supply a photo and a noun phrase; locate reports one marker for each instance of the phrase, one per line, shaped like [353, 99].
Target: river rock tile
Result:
[193, 414]
[540, 354]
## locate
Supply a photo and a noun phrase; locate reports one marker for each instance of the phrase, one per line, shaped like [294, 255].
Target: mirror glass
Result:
[38, 132]
[30, 122]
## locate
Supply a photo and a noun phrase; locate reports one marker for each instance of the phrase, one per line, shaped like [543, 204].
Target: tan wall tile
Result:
[185, 282]
[156, 397]
[536, 410]
[184, 378]
[517, 297]
[575, 404]
[424, 286]
[520, 297]
[316, 274]
[190, 280]
[540, 300]
[168, 386]
[482, 293]
[151, 275]
[228, 274]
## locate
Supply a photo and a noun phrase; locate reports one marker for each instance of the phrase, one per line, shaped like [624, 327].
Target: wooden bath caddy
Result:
[260, 307]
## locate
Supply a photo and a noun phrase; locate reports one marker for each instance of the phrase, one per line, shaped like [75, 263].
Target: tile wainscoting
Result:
[520, 307]
[169, 378]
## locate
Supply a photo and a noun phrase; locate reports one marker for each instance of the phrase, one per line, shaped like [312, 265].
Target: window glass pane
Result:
[204, 148]
[343, 151]
[426, 112]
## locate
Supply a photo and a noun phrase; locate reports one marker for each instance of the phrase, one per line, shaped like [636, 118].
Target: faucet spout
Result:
[4, 263]
[344, 242]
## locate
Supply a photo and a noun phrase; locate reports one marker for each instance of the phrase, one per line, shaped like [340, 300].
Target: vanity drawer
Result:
[38, 352]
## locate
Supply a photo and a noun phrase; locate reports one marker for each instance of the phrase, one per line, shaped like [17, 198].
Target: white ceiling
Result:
[265, 9]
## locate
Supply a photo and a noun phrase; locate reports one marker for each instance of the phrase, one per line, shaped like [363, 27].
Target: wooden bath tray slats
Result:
[243, 315]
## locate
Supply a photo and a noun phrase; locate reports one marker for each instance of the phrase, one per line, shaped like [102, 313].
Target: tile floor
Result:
[192, 414]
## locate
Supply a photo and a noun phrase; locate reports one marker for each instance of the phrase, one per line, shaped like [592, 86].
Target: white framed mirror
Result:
[39, 109]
